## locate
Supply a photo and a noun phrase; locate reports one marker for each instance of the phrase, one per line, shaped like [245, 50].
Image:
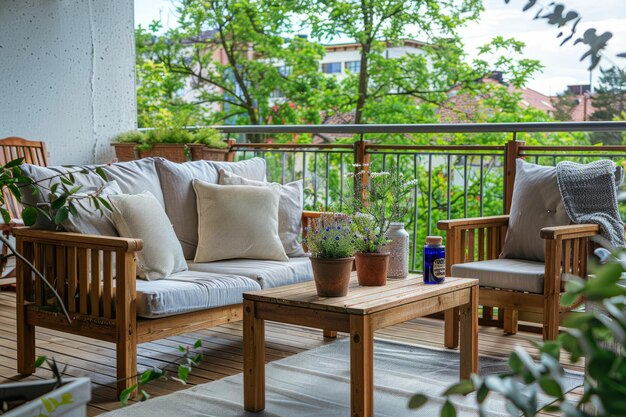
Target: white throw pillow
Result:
[141, 216]
[237, 221]
[290, 206]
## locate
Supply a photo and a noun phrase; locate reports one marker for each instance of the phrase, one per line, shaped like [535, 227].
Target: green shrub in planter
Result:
[133, 136]
[209, 137]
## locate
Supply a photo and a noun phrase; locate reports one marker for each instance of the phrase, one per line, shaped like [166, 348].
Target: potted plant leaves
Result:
[331, 244]
[376, 203]
[51, 397]
[207, 144]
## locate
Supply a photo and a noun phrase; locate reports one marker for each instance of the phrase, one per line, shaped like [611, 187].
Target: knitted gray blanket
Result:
[589, 193]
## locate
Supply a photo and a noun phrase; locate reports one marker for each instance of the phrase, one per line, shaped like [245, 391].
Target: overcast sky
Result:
[562, 66]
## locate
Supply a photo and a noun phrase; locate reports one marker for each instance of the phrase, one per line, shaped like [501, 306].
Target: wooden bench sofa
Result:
[96, 278]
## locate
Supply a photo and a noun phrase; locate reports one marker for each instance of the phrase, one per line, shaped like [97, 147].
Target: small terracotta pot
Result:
[371, 268]
[332, 276]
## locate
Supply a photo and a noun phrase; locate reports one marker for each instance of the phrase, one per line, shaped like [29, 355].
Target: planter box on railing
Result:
[174, 152]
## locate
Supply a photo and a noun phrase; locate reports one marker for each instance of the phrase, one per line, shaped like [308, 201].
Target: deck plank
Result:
[222, 348]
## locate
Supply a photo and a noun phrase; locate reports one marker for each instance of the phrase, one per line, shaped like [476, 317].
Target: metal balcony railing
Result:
[453, 181]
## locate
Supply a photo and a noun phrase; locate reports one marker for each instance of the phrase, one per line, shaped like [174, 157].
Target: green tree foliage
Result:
[609, 102]
[159, 99]
[564, 105]
[237, 54]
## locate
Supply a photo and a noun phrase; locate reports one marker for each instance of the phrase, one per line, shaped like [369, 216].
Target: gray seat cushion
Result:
[190, 291]
[268, 274]
[510, 274]
[180, 198]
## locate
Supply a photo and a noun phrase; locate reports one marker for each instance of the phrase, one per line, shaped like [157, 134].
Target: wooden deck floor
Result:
[222, 347]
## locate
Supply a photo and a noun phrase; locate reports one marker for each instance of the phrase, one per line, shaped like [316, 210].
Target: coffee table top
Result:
[360, 300]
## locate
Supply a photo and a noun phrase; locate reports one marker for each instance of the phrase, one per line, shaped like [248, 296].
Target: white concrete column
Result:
[67, 75]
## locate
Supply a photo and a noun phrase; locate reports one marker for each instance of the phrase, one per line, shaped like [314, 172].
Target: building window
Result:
[353, 66]
[284, 70]
[331, 68]
[277, 94]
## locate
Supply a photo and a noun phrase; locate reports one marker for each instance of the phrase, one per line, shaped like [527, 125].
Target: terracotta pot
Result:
[371, 268]
[125, 151]
[174, 152]
[332, 276]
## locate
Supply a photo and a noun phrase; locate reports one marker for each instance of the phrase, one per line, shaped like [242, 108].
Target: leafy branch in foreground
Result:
[557, 15]
[598, 335]
[190, 358]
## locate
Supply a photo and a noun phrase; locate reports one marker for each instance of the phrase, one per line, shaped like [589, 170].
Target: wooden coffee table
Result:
[360, 313]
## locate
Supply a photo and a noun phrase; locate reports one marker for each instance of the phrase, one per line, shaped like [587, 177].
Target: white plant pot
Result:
[78, 390]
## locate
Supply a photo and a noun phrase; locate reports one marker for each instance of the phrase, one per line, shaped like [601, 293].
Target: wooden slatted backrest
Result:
[34, 152]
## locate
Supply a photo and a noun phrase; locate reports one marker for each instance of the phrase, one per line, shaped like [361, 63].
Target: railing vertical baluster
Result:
[449, 178]
[341, 180]
[465, 183]
[430, 190]
[327, 198]
[415, 214]
[304, 168]
[282, 167]
[482, 182]
[292, 158]
[384, 162]
[315, 180]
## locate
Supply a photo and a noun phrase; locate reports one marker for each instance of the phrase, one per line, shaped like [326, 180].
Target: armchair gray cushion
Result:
[536, 204]
[509, 274]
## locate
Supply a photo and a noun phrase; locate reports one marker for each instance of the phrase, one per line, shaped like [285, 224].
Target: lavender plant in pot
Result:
[384, 198]
[331, 244]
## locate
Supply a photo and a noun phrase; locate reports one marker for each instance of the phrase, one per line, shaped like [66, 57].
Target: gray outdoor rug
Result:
[316, 383]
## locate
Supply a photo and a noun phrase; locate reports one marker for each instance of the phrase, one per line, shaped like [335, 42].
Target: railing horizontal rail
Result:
[245, 146]
[431, 128]
[567, 148]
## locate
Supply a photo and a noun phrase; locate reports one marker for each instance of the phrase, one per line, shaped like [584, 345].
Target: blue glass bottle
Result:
[434, 260]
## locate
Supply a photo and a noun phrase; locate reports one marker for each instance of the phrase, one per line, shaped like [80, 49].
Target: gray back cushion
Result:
[132, 177]
[180, 199]
[536, 204]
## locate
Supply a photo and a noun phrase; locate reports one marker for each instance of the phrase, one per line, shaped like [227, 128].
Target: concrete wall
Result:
[67, 75]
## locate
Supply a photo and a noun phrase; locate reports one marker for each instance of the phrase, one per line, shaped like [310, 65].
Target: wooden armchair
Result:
[33, 152]
[481, 239]
[96, 279]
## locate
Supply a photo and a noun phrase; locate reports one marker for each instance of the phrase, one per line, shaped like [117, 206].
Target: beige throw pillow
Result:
[536, 204]
[237, 221]
[141, 216]
[289, 209]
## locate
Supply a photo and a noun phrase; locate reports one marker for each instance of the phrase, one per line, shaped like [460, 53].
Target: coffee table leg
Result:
[361, 367]
[469, 336]
[451, 328]
[253, 359]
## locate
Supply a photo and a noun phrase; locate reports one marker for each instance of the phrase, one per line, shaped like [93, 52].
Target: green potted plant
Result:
[331, 244]
[208, 144]
[384, 198]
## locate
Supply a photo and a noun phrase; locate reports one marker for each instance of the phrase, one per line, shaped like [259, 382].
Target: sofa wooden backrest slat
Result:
[107, 287]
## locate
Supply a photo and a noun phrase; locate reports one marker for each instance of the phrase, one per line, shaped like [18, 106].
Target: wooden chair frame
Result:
[96, 278]
[34, 152]
[476, 239]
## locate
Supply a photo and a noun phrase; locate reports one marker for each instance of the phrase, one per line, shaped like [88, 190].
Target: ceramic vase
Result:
[398, 251]
[332, 276]
[371, 268]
